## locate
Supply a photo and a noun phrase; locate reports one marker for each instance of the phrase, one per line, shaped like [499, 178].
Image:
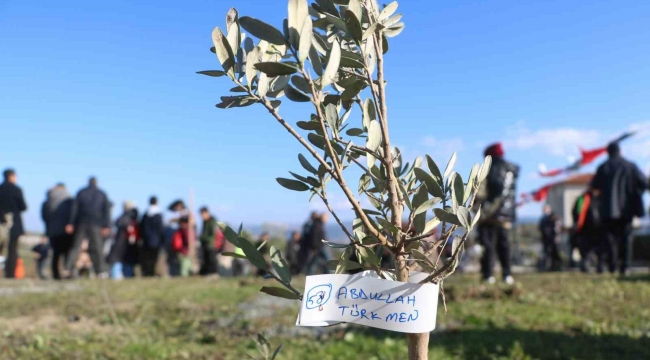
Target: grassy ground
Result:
[555, 316]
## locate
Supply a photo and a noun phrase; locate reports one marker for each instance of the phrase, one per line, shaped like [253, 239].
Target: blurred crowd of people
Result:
[602, 219]
[82, 240]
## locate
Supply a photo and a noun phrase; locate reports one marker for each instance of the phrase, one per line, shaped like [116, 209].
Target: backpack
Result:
[219, 240]
[177, 241]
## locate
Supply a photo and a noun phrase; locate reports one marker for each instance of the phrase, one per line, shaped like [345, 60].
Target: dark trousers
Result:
[149, 258]
[208, 261]
[494, 239]
[60, 248]
[617, 244]
[552, 253]
[93, 234]
[40, 267]
[12, 255]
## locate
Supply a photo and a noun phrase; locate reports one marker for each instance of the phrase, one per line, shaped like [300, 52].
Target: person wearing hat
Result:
[619, 185]
[498, 211]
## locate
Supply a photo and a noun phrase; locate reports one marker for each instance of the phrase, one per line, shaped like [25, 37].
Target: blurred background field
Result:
[546, 316]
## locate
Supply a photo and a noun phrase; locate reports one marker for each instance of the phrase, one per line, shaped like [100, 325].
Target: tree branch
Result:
[337, 173]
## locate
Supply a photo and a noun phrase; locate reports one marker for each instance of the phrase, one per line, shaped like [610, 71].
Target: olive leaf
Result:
[450, 165]
[426, 264]
[432, 185]
[280, 265]
[447, 217]
[273, 69]
[213, 73]
[292, 184]
[485, 168]
[333, 61]
[419, 199]
[224, 52]
[262, 30]
[387, 11]
[295, 95]
[252, 254]
[374, 135]
[279, 292]
[305, 39]
[306, 165]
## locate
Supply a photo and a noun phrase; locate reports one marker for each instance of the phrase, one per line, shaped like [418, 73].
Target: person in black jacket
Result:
[587, 232]
[125, 250]
[620, 186]
[90, 219]
[318, 253]
[498, 209]
[549, 227]
[56, 213]
[152, 230]
[12, 204]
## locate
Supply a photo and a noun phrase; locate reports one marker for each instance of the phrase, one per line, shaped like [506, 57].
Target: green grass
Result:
[554, 316]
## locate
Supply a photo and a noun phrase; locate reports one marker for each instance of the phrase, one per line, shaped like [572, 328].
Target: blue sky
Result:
[109, 89]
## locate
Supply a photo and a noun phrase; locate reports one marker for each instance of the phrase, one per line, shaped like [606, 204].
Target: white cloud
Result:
[559, 141]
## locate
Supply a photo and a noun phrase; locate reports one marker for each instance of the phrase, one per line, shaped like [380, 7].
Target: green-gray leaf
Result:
[252, 254]
[450, 165]
[447, 217]
[477, 216]
[309, 125]
[354, 132]
[485, 168]
[295, 95]
[279, 292]
[374, 135]
[292, 184]
[464, 217]
[251, 59]
[273, 69]
[232, 254]
[364, 183]
[427, 205]
[279, 265]
[332, 116]
[419, 221]
[306, 165]
[301, 84]
[369, 113]
[333, 61]
[430, 225]
[224, 52]
[262, 85]
[315, 61]
[431, 184]
[353, 25]
[426, 264]
[458, 190]
[213, 73]
[386, 225]
[470, 183]
[305, 39]
[387, 11]
[298, 12]
[433, 168]
[262, 30]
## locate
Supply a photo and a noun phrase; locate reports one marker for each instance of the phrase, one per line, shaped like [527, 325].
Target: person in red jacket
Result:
[181, 245]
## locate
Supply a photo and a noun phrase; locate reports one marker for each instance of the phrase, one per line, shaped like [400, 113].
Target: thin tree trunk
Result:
[418, 344]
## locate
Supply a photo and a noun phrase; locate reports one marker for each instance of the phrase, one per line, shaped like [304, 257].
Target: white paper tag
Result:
[365, 299]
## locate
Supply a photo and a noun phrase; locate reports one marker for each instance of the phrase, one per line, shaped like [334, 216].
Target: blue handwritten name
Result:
[402, 317]
[360, 294]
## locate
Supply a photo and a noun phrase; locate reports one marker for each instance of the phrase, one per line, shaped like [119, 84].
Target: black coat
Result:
[91, 207]
[501, 184]
[56, 212]
[152, 230]
[621, 185]
[123, 251]
[12, 202]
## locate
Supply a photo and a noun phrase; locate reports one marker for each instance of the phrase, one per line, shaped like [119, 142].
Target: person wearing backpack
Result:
[587, 232]
[209, 235]
[152, 229]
